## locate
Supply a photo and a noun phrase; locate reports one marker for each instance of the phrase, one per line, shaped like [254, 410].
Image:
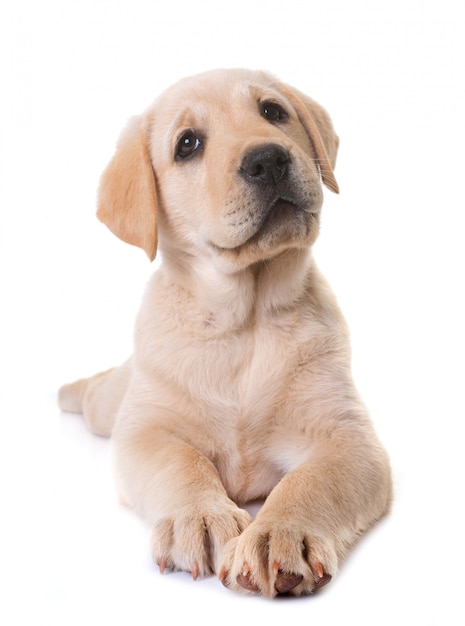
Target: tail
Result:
[71, 396]
[98, 398]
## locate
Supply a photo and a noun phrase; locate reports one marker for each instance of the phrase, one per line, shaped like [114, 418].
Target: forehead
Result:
[211, 96]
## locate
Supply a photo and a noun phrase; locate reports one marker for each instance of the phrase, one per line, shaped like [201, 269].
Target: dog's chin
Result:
[285, 226]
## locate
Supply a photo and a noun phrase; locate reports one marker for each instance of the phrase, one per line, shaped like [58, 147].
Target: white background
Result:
[391, 73]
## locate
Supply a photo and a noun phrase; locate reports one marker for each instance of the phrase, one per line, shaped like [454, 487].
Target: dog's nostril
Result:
[266, 164]
[256, 170]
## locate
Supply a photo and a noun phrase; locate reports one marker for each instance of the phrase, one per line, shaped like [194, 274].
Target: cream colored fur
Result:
[240, 387]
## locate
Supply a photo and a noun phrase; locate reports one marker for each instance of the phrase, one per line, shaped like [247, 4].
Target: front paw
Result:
[193, 539]
[272, 558]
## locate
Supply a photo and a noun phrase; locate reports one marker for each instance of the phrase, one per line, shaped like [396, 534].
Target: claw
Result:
[223, 575]
[162, 565]
[318, 567]
[195, 570]
[276, 567]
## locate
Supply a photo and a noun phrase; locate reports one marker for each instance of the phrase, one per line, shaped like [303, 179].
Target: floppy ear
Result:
[320, 130]
[127, 198]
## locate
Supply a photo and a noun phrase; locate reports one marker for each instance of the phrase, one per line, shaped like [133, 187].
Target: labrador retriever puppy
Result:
[240, 386]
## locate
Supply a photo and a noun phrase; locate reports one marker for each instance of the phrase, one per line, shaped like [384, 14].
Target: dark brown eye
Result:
[188, 144]
[273, 112]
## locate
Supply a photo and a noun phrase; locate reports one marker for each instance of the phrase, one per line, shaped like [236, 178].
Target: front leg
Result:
[309, 521]
[178, 491]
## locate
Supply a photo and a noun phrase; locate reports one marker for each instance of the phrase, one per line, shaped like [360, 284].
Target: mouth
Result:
[281, 210]
[279, 224]
[283, 220]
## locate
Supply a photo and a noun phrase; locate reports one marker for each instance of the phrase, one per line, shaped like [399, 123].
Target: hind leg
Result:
[98, 398]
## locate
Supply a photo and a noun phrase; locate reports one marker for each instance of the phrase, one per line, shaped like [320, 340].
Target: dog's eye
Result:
[273, 112]
[187, 145]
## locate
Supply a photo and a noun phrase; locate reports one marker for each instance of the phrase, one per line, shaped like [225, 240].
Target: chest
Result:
[229, 391]
[224, 358]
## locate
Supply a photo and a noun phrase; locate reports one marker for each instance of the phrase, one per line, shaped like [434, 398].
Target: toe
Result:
[285, 581]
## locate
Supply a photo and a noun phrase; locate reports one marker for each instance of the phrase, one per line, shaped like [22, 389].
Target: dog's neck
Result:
[236, 299]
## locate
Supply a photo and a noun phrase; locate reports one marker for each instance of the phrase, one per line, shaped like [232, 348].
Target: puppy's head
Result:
[229, 164]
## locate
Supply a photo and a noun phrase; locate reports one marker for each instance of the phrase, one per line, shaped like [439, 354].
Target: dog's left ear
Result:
[127, 197]
[320, 130]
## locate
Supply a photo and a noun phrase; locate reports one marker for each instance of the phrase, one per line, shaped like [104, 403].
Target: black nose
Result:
[266, 164]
